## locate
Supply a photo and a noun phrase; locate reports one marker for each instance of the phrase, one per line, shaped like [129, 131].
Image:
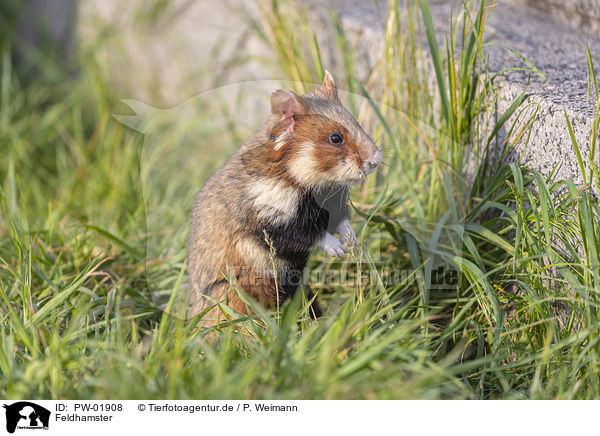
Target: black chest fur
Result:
[294, 240]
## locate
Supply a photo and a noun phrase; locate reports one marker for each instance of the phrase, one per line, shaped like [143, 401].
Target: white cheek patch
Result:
[346, 172]
[273, 201]
[303, 166]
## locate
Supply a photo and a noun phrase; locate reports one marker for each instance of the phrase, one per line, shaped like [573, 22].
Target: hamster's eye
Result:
[336, 139]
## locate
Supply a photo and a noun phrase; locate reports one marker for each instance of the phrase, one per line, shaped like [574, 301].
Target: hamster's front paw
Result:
[347, 235]
[332, 246]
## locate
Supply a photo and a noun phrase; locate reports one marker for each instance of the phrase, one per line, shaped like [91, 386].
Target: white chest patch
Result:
[274, 201]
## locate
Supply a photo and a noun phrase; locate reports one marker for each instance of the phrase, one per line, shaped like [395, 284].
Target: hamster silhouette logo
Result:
[26, 415]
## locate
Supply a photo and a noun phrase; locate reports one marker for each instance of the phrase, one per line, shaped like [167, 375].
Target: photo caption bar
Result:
[156, 417]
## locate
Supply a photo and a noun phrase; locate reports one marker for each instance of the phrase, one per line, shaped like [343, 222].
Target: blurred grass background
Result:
[78, 260]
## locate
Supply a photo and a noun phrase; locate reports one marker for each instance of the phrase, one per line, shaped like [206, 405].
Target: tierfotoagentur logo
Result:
[24, 415]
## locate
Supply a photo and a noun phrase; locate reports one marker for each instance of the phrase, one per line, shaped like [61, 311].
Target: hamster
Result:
[256, 220]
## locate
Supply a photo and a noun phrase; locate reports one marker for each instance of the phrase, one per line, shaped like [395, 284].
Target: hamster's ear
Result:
[287, 105]
[328, 87]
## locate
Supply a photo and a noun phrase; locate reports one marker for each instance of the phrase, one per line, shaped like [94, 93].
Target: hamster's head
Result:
[320, 142]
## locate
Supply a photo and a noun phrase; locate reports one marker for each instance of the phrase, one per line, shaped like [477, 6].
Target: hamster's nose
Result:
[372, 162]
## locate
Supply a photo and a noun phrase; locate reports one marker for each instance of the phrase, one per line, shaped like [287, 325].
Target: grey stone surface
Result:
[584, 14]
